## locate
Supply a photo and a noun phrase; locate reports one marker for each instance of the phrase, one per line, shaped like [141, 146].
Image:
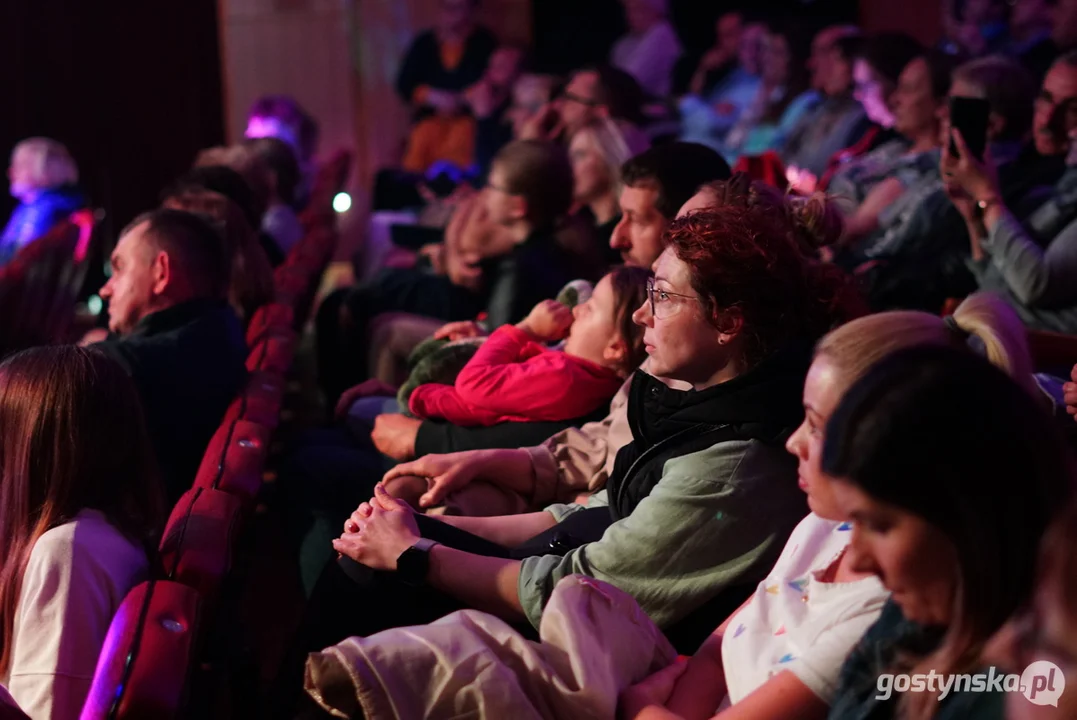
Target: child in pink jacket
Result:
[514, 377]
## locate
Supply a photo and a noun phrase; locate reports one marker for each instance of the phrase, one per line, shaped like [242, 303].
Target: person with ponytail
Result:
[814, 596]
[81, 509]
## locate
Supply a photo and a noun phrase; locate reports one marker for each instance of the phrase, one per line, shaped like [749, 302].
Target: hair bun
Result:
[818, 220]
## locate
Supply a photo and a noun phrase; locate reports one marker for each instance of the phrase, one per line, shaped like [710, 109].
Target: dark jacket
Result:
[443, 437]
[533, 271]
[859, 695]
[926, 263]
[699, 503]
[188, 363]
[423, 65]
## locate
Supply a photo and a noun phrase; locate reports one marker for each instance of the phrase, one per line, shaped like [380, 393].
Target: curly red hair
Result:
[747, 259]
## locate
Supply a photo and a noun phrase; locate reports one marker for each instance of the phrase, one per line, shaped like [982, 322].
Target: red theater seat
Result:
[145, 664]
[273, 353]
[270, 319]
[235, 459]
[199, 540]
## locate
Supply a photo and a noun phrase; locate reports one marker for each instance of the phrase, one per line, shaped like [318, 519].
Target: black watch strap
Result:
[413, 565]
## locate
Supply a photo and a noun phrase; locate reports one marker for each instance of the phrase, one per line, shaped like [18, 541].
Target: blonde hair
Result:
[984, 319]
[615, 143]
[984, 322]
[47, 161]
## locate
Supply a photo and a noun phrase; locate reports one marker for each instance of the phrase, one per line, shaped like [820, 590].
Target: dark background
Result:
[132, 87]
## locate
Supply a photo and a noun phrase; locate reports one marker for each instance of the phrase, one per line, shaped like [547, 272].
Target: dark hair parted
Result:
[675, 171]
[745, 259]
[946, 436]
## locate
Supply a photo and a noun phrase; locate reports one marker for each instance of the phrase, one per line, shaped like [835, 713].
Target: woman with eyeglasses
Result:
[698, 505]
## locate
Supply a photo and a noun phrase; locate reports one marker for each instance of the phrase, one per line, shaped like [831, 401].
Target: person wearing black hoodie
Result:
[699, 502]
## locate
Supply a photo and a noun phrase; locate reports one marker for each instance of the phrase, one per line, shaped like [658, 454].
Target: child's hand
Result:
[549, 321]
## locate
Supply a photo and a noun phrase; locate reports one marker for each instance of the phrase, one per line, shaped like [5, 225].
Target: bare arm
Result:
[507, 530]
[783, 697]
[702, 687]
[484, 583]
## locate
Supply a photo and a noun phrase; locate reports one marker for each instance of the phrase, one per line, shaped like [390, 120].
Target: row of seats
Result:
[159, 635]
[39, 288]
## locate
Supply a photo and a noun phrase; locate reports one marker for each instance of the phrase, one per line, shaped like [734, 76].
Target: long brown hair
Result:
[250, 276]
[72, 437]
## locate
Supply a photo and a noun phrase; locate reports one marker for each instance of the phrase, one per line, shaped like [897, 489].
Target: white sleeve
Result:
[819, 667]
[64, 614]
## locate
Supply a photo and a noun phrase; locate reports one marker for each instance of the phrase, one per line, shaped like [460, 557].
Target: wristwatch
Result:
[413, 565]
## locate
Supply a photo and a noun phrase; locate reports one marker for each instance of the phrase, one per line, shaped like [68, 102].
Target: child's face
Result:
[594, 335]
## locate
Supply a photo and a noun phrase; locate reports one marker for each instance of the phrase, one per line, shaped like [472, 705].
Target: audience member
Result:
[250, 283]
[656, 184]
[780, 655]
[258, 177]
[43, 179]
[919, 259]
[591, 93]
[528, 194]
[175, 335]
[938, 521]
[280, 116]
[492, 99]
[597, 152]
[578, 461]
[1044, 629]
[438, 67]
[880, 179]
[707, 117]
[651, 48]
[513, 377]
[877, 64]
[783, 96]
[721, 59]
[729, 319]
[1029, 268]
[81, 511]
[832, 125]
[280, 221]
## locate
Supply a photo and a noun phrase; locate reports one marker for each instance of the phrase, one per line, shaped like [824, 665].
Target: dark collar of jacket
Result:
[768, 393]
[175, 317]
[763, 404]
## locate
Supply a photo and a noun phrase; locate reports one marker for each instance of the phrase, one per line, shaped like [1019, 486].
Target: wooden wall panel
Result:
[339, 58]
